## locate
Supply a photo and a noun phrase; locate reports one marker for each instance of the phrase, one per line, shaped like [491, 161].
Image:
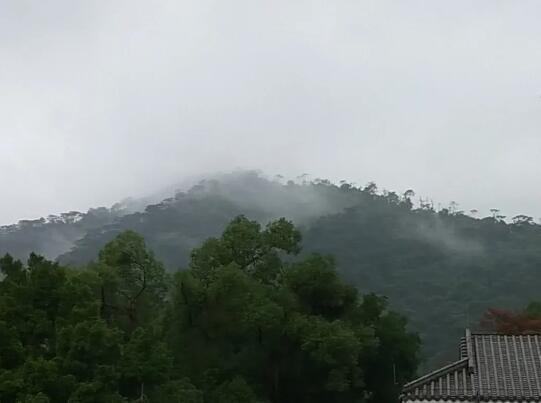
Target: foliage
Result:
[61, 345]
[510, 322]
[291, 331]
[438, 266]
[245, 323]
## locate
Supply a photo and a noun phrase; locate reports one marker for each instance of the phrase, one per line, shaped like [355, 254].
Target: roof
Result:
[491, 367]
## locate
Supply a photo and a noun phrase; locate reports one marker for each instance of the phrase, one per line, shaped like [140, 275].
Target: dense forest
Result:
[247, 321]
[440, 267]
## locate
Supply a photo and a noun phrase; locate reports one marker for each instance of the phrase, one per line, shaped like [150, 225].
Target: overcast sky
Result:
[100, 100]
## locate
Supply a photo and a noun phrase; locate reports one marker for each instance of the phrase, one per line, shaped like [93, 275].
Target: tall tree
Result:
[133, 281]
[292, 330]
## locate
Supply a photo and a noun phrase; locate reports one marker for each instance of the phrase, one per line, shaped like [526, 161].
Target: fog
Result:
[101, 100]
[445, 237]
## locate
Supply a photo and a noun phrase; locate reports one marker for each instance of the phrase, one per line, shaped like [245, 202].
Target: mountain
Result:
[442, 269]
[176, 225]
[53, 235]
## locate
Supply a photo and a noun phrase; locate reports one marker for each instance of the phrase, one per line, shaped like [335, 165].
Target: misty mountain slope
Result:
[241, 192]
[442, 270]
[175, 226]
[171, 228]
[55, 234]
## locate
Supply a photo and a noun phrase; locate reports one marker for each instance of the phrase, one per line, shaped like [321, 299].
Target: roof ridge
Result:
[437, 372]
[489, 333]
[469, 349]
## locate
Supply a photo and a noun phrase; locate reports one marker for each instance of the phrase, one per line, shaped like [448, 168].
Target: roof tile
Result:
[492, 366]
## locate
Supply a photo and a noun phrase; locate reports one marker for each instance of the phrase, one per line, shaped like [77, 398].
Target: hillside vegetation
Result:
[442, 269]
[246, 322]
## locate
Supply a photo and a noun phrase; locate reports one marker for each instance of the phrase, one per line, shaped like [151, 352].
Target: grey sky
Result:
[100, 100]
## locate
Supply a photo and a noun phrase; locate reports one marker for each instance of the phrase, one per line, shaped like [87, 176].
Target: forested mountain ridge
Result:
[53, 235]
[442, 269]
[215, 200]
[56, 234]
[177, 224]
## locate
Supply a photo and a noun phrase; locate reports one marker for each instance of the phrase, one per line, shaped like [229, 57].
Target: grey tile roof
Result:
[491, 367]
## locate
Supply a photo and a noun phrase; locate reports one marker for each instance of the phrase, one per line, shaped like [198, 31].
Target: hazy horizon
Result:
[105, 100]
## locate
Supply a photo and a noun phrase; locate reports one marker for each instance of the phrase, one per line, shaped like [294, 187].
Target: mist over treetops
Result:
[441, 267]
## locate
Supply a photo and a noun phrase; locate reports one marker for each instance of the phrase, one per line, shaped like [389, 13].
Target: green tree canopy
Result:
[246, 322]
[293, 330]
